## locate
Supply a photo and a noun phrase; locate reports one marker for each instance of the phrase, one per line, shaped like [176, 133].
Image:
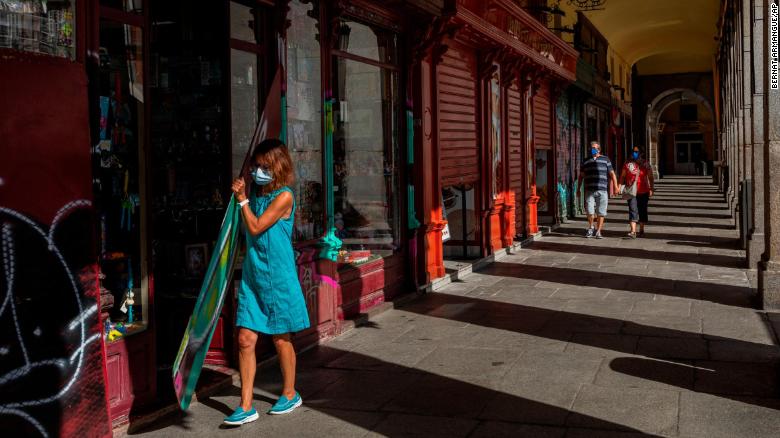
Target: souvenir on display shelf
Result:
[117, 172]
[38, 26]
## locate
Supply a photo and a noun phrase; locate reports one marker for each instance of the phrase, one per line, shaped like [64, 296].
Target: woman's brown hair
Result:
[273, 155]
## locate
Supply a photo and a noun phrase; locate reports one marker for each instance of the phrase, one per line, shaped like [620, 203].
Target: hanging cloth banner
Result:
[200, 328]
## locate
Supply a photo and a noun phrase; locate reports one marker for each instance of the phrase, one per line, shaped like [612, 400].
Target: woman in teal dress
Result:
[270, 299]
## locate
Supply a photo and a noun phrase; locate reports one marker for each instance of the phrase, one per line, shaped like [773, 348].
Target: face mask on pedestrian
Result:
[635, 155]
[261, 177]
[594, 151]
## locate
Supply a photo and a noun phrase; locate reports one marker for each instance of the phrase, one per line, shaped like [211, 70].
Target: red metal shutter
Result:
[457, 98]
[517, 164]
[542, 122]
[515, 115]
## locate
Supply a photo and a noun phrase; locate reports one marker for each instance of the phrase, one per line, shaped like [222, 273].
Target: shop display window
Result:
[247, 61]
[244, 102]
[460, 213]
[190, 157]
[367, 42]
[39, 26]
[118, 179]
[495, 133]
[304, 119]
[541, 161]
[242, 22]
[365, 146]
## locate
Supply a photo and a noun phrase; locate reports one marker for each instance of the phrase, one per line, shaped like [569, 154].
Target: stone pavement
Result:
[571, 337]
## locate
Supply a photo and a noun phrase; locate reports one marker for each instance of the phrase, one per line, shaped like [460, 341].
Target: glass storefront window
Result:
[304, 120]
[367, 42]
[119, 183]
[243, 104]
[542, 160]
[39, 26]
[135, 6]
[495, 133]
[242, 22]
[366, 183]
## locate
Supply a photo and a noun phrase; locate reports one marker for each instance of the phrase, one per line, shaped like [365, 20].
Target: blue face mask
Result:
[635, 155]
[594, 151]
[261, 177]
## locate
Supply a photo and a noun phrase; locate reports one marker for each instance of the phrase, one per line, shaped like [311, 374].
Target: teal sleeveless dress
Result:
[270, 299]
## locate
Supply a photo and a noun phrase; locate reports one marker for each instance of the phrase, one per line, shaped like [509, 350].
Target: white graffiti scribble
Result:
[75, 362]
[80, 319]
[29, 419]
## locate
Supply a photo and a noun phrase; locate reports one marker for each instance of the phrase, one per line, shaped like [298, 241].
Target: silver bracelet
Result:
[243, 203]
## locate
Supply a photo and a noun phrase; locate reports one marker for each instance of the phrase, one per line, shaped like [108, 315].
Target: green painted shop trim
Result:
[329, 244]
[411, 218]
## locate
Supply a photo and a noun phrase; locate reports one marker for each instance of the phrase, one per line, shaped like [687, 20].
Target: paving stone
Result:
[205, 421]
[736, 378]
[736, 351]
[662, 326]
[459, 288]
[580, 293]
[563, 324]
[422, 426]
[601, 344]
[623, 295]
[710, 416]
[574, 432]
[529, 301]
[496, 429]
[518, 321]
[526, 291]
[531, 402]
[640, 372]
[481, 279]
[308, 382]
[466, 361]
[511, 340]
[392, 357]
[553, 368]
[511, 282]
[442, 396]
[362, 390]
[731, 326]
[610, 309]
[672, 348]
[645, 410]
[675, 308]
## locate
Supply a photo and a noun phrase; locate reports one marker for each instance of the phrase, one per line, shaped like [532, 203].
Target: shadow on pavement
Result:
[398, 401]
[740, 296]
[706, 259]
[671, 349]
[580, 232]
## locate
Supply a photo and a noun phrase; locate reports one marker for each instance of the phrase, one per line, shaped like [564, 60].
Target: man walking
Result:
[598, 174]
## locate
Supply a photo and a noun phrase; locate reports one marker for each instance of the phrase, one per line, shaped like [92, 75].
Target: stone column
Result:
[755, 245]
[769, 270]
[745, 119]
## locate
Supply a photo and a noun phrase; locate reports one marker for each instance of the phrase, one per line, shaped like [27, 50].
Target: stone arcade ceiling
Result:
[661, 36]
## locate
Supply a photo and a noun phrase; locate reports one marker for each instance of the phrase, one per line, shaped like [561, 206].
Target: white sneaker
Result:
[590, 232]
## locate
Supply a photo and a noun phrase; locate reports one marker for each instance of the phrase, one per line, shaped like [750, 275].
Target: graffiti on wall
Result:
[52, 367]
[51, 357]
[311, 279]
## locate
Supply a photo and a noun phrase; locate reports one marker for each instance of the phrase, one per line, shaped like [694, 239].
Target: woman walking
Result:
[637, 186]
[270, 299]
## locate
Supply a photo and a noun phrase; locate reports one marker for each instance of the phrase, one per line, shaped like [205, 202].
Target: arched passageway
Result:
[688, 141]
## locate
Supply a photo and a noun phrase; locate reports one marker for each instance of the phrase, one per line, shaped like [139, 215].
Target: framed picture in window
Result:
[196, 259]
